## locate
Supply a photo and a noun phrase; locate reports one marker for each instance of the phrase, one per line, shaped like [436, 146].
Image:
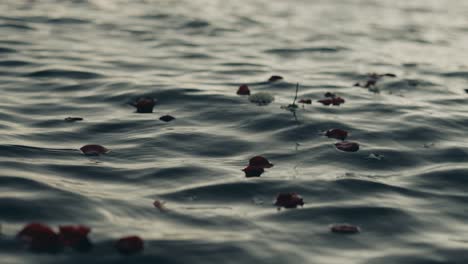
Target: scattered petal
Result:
[75, 237]
[243, 90]
[260, 162]
[94, 150]
[390, 75]
[129, 245]
[337, 133]
[347, 146]
[144, 105]
[252, 171]
[275, 78]
[330, 95]
[73, 119]
[332, 101]
[160, 205]
[305, 101]
[345, 229]
[166, 118]
[40, 238]
[261, 98]
[289, 200]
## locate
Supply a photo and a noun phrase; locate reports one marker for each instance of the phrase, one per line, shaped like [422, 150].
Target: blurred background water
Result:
[89, 58]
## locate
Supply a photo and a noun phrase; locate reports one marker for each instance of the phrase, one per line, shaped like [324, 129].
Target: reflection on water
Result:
[405, 187]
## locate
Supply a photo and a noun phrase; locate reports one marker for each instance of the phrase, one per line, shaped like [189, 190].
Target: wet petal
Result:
[166, 118]
[243, 90]
[289, 200]
[144, 105]
[129, 245]
[75, 237]
[275, 78]
[251, 171]
[337, 133]
[347, 146]
[73, 119]
[260, 162]
[40, 238]
[93, 150]
[345, 229]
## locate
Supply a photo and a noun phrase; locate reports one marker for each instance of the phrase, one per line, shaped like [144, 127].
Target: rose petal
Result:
[275, 78]
[337, 133]
[347, 146]
[129, 245]
[243, 90]
[289, 200]
[75, 237]
[93, 150]
[144, 105]
[166, 118]
[260, 162]
[40, 238]
[251, 171]
[345, 229]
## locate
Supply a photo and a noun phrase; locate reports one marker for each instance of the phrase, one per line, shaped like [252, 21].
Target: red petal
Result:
[275, 78]
[289, 200]
[327, 101]
[94, 149]
[73, 235]
[260, 162]
[345, 229]
[337, 133]
[129, 245]
[40, 238]
[251, 171]
[144, 105]
[347, 146]
[243, 90]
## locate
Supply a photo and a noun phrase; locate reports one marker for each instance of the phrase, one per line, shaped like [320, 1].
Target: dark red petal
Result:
[75, 237]
[144, 105]
[40, 238]
[73, 119]
[275, 78]
[347, 146]
[305, 101]
[166, 118]
[129, 245]
[345, 229]
[243, 90]
[260, 162]
[251, 171]
[93, 149]
[337, 133]
[289, 200]
[327, 101]
[337, 100]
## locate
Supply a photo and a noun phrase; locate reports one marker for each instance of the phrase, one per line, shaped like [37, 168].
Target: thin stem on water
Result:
[295, 97]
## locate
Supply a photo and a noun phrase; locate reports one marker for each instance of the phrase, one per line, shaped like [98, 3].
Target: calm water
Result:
[89, 58]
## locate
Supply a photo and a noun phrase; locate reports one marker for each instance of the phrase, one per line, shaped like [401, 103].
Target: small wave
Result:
[68, 74]
[7, 50]
[291, 51]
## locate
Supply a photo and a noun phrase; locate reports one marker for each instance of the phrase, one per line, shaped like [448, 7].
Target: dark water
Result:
[89, 58]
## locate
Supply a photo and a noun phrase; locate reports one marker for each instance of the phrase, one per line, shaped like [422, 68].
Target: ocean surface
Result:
[406, 187]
